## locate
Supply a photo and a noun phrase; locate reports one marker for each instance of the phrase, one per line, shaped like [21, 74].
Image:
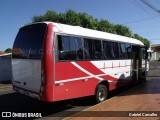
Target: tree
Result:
[51, 16]
[62, 18]
[144, 40]
[123, 30]
[88, 21]
[105, 26]
[72, 18]
[37, 19]
[8, 50]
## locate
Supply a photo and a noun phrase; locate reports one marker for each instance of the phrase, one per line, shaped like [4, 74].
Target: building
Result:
[155, 54]
[5, 67]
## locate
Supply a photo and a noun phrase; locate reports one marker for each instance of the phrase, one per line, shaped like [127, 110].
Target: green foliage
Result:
[8, 50]
[50, 16]
[72, 18]
[37, 19]
[123, 30]
[144, 40]
[87, 21]
[106, 26]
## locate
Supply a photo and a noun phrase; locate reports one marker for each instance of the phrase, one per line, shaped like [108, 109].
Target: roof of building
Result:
[5, 54]
[1, 52]
[155, 45]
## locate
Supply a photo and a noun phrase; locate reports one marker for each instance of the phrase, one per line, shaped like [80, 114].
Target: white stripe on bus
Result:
[75, 79]
[85, 71]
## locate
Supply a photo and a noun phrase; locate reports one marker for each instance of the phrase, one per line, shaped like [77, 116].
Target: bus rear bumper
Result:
[27, 92]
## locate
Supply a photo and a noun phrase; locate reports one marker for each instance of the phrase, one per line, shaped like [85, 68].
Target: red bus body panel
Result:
[48, 65]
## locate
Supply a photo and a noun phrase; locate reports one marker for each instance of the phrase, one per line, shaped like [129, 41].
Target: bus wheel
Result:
[101, 93]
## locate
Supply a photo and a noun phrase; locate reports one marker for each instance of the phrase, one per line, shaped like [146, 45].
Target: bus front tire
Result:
[101, 93]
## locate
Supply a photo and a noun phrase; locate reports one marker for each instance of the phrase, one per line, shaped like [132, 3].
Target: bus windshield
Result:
[29, 41]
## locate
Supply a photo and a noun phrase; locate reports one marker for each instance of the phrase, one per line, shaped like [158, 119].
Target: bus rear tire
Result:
[101, 93]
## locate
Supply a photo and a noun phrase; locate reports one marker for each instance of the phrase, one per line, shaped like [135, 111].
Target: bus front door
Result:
[144, 59]
[136, 63]
[139, 63]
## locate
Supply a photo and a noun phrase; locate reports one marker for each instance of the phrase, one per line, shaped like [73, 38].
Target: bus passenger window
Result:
[125, 50]
[97, 49]
[70, 48]
[92, 49]
[129, 50]
[86, 49]
[114, 50]
[111, 50]
[106, 50]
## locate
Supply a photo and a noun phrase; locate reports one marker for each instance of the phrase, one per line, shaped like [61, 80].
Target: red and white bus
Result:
[53, 62]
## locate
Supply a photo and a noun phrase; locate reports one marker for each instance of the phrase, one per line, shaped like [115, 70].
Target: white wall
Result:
[155, 56]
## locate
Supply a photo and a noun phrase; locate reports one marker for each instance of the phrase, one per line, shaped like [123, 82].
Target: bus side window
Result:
[92, 49]
[110, 50]
[63, 45]
[89, 48]
[122, 50]
[86, 49]
[129, 50]
[70, 48]
[76, 46]
[97, 49]
[114, 50]
[125, 50]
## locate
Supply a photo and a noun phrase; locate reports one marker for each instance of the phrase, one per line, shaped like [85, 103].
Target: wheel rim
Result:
[102, 94]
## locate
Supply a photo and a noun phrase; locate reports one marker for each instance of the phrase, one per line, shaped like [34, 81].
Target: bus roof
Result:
[80, 31]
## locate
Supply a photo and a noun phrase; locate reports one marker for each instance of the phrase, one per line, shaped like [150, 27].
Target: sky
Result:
[136, 15]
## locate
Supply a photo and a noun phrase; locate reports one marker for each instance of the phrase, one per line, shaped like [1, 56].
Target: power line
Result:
[135, 21]
[150, 6]
[139, 5]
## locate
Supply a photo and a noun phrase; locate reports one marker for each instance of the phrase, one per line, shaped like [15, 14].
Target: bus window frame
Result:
[56, 56]
[57, 49]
